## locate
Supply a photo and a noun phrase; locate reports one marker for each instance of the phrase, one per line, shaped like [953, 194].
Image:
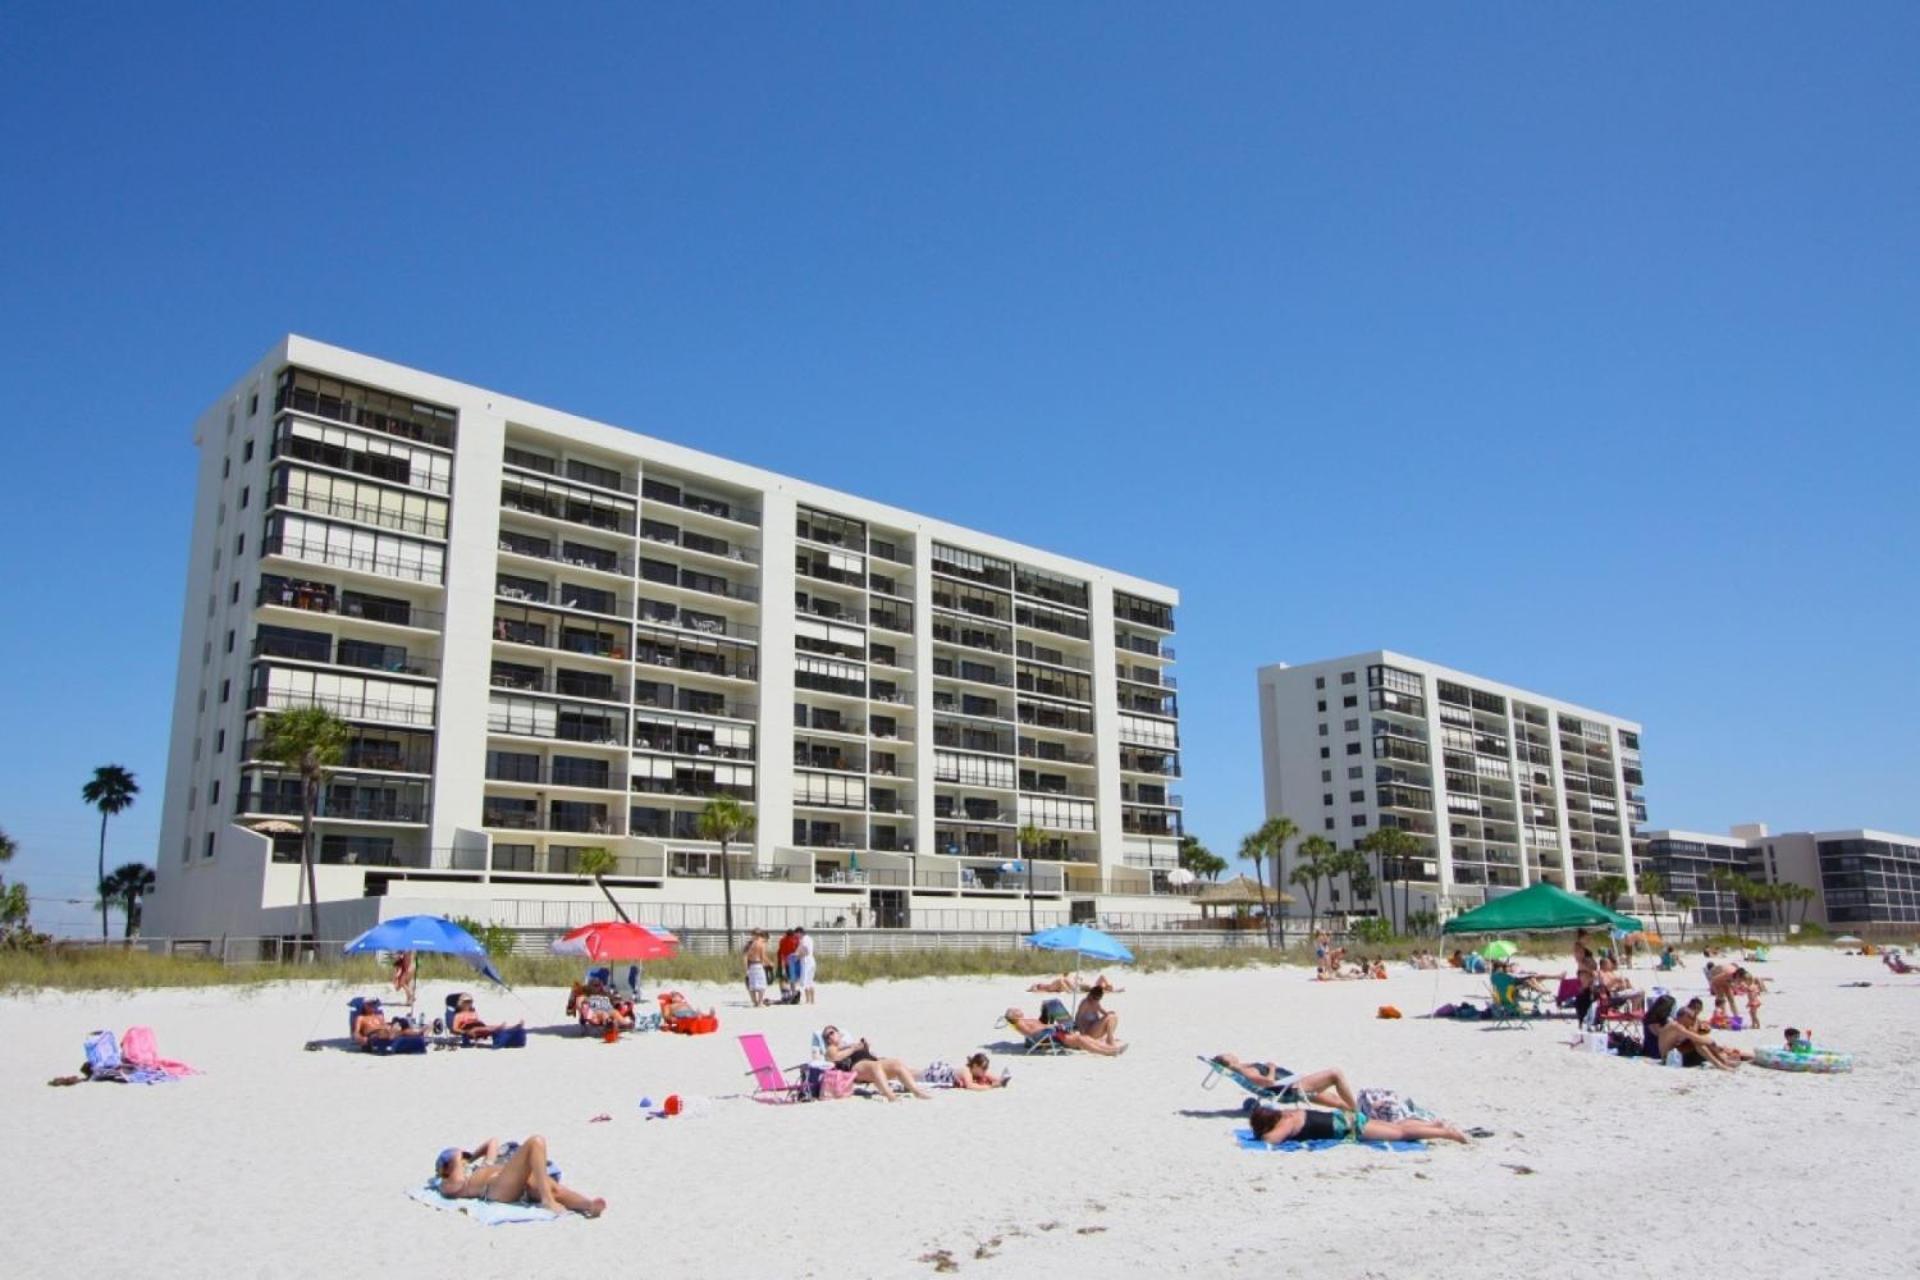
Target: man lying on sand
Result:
[1273, 1126]
[1033, 1029]
[521, 1178]
[1327, 1088]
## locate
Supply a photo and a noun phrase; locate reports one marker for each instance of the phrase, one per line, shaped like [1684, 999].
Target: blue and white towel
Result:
[1250, 1143]
[489, 1213]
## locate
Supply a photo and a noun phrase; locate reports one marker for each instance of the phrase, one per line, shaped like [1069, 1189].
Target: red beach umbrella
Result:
[617, 940]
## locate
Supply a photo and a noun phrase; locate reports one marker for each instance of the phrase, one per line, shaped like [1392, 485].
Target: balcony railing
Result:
[555, 504]
[364, 407]
[280, 495]
[376, 757]
[674, 496]
[533, 771]
[1143, 644]
[544, 629]
[373, 562]
[345, 706]
[1033, 750]
[347, 653]
[320, 597]
[332, 807]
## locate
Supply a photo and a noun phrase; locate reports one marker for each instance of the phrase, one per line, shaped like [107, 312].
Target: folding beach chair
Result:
[1506, 1007]
[1047, 1041]
[414, 1042]
[768, 1080]
[1271, 1094]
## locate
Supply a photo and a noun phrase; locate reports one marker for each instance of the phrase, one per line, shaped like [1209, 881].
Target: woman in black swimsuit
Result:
[860, 1059]
[1273, 1127]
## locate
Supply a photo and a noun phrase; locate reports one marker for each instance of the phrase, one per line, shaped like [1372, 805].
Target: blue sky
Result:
[1571, 345]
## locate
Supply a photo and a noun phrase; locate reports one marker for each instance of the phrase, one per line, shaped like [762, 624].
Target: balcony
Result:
[1144, 613]
[573, 554]
[337, 804]
[566, 596]
[570, 506]
[673, 495]
[989, 641]
[1063, 624]
[667, 535]
[1056, 719]
[405, 753]
[1150, 824]
[699, 657]
[827, 721]
[300, 499]
[1166, 766]
[699, 702]
[1146, 676]
[830, 759]
[1049, 751]
[1043, 785]
[322, 597]
[969, 738]
[531, 770]
[1166, 706]
[561, 816]
[359, 654]
[572, 469]
[895, 617]
[557, 721]
[543, 629]
[369, 460]
[378, 564]
[394, 415]
[346, 706]
[660, 573]
[1143, 645]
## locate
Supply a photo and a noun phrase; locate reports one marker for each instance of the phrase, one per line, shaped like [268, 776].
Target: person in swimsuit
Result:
[598, 1008]
[521, 1178]
[804, 964]
[978, 1074]
[1327, 1088]
[372, 1025]
[1274, 1126]
[1054, 986]
[858, 1057]
[756, 961]
[1034, 1029]
[1693, 1019]
[1092, 1020]
[467, 1023]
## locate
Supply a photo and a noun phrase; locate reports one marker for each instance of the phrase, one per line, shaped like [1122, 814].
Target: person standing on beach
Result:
[789, 970]
[803, 964]
[756, 960]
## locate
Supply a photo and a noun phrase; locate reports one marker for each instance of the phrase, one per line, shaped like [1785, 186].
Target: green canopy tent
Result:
[1540, 908]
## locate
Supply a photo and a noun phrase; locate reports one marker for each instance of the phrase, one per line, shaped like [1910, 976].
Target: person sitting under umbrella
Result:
[599, 1009]
[372, 1026]
[521, 1178]
[1092, 1020]
[1033, 1029]
[468, 1025]
[856, 1056]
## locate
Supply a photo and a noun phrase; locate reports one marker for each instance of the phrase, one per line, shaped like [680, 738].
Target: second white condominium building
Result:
[1502, 787]
[548, 635]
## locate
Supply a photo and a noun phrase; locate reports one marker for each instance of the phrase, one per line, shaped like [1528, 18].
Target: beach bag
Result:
[835, 1083]
[1052, 1010]
[940, 1075]
[103, 1052]
[1384, 1105]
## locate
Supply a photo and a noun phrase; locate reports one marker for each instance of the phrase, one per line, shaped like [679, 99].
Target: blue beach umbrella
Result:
[431, 934]
[1082, 940]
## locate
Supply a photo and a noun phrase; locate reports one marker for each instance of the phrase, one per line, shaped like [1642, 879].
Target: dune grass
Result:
[98, 969]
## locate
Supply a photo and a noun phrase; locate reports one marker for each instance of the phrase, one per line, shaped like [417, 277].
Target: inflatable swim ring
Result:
[1821, 1061]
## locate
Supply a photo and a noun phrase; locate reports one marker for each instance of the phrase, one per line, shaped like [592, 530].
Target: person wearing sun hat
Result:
[372, 1025]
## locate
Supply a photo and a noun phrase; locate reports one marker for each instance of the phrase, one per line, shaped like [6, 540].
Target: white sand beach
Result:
[279, 1162]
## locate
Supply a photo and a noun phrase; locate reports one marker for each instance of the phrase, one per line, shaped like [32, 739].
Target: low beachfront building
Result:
[549, 635]
[1861, 878]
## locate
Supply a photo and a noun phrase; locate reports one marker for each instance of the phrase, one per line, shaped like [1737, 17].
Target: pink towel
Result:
[137, 1049]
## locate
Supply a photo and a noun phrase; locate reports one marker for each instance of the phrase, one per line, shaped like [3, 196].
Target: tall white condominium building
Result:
[548, 634]
[1501, 787]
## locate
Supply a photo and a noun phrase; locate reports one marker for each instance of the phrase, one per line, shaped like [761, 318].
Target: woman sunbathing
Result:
[521, 1177]
[881, 1073]
[1093, 1021]
[1035, 1030]
[978, 1074]
[1273, 1127]
[467, 1023]
[1061, 985]
[1327, 1088]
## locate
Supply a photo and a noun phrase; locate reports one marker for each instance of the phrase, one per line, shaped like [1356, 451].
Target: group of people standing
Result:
[792, 965]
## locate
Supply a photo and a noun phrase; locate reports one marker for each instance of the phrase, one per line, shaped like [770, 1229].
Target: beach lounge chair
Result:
[1047, 1040]
[769, 1082]
[505, 1038]
[1271, 1094]
[414, 1043]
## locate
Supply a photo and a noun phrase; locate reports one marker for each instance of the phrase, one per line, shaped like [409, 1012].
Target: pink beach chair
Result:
[769, 1082]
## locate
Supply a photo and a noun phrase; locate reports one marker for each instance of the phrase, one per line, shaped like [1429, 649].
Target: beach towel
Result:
[488, 1213]
[1248, 1142]
[137, 1048]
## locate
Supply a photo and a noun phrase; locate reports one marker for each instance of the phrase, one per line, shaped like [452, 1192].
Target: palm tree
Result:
[310, 741]
[1310, 865]
[111, 791]
[1684, 903]
[1275, 833]
[1199, 859]
[1253, 850]
[128, 885]
[1031, 840]
[13, 897]
[594, 863]
[1394, 848]
[1652, 885]
[1606, 890]
[725, 820]
[1360, 880]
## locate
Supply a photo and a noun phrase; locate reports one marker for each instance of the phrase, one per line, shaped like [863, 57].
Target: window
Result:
[1359, 819]
[226, 467]
[1355, 772]
[206, 652]
[1327, 799]
[226, 690]
[203, 700]
[247, 490]
[253, 404]
[1326, 775]
[1323, 728]
[1351, 700]
[1353, 748]
[239, 545]
[1351, 726]
[1329, 823]
[1356, 797]
[1346, 677]
[1321, 706]
[1319, 682]
[209, 852]
[229, 640]
[1325, 752]
[219, 742]
[213, 793]
[186, 848]
[246, 454]
[233, 596]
